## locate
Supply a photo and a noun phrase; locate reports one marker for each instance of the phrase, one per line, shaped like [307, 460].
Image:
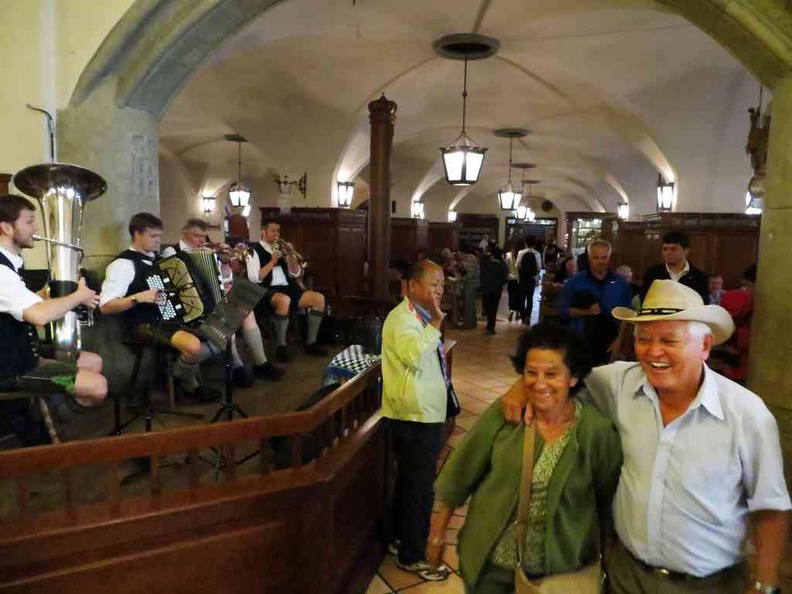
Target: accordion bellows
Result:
[192, 284]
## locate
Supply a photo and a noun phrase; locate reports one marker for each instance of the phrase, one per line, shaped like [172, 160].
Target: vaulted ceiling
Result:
[612, 91]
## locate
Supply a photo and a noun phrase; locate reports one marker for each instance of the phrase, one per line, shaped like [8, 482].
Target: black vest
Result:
[264, 259]
[141, 313]
[19, 346]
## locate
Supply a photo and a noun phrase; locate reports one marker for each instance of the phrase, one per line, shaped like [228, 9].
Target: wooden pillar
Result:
[382, 116]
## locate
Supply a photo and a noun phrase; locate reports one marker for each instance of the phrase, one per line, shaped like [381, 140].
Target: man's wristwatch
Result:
[766, 588]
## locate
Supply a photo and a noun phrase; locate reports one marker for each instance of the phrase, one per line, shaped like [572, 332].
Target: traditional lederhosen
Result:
[20, 346]
[291, 288]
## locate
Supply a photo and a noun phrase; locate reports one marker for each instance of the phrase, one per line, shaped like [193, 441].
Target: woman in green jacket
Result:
[578, 457]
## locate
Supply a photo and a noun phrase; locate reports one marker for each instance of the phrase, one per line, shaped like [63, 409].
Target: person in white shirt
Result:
[21, 367]
[702, 459]
[194, 236]
[125, 291]
[271, 263]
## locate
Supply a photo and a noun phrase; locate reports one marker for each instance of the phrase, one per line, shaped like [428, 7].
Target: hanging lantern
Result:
[623, 210]
[238, 193]
[346, 190]
[665, 194]
[208, 203]
[452, 216]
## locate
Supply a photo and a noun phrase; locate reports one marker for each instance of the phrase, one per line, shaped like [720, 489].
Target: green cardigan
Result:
[487, 466]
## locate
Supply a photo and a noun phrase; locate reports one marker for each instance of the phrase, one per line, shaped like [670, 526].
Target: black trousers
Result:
[490, 304]
[514, 296]
[416, 446]
[527, 288]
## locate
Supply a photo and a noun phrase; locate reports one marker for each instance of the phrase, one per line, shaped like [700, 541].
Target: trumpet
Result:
[283, 246]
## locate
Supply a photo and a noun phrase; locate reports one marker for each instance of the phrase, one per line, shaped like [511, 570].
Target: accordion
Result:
[192, 286]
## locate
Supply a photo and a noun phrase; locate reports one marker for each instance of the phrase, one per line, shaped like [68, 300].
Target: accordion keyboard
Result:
[167, 309]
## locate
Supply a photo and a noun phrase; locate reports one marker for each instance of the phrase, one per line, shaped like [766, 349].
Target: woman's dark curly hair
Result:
[555, 338]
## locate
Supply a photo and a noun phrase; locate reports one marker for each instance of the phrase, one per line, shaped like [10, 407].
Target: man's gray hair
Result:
[598, 243]
[699, 329]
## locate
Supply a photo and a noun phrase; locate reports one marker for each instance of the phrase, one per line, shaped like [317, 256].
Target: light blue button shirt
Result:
[686, 489]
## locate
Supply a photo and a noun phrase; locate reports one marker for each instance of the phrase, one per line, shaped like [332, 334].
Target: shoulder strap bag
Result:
[587, 580]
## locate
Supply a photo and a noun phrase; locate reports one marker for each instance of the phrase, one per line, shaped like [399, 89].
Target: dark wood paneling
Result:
[443, 235]
[5, 179]
[472, 227]
[409, 239]
[723, 243]
[334, 242]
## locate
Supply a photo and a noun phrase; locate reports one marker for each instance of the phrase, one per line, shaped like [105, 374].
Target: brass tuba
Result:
[62, 191]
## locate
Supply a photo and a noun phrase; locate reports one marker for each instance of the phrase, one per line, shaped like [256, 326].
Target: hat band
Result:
[659, 311]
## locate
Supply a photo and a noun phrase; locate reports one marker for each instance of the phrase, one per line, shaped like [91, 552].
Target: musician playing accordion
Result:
[273, 264]
[126, 291]
[194, 237]
[22, 370]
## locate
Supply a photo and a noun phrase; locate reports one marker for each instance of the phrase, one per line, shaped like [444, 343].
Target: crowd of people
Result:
[649, 471]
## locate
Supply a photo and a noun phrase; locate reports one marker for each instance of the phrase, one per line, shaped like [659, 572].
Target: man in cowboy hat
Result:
[701, 456]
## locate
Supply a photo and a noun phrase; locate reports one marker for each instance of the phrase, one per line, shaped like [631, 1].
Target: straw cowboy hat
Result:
[669, 300]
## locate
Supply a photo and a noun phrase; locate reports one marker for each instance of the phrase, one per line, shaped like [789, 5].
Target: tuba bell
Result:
[62, 191]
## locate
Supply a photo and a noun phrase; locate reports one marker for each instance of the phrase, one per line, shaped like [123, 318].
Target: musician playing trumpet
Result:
[126, 292]
[194, 237]
[275, 265]
[21, 310]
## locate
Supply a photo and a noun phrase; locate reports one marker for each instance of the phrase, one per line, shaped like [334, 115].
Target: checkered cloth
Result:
[348, 363]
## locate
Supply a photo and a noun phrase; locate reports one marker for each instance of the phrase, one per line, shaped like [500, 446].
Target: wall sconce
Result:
[346, 190]
[623, 210]
[285, 186]
[665, 194]
[417, 210]
[209, 203]
[452, 216]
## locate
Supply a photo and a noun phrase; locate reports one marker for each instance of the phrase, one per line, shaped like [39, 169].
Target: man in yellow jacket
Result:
[414, 402]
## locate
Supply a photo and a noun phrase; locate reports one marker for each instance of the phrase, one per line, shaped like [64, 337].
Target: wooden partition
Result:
[443, 235]
[473, 227]
[723, 243]
[295, 505]
[301, 528]
[5, 180]
[334, 242]
[409, 238]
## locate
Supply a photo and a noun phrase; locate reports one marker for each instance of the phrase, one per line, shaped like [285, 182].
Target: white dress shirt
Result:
[536, 255]
[118, 276]
[686, 489]
[15, 297]
[254, 267]
[676, 276]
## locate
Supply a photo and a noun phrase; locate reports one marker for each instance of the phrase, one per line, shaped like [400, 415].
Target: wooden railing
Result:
[69, 544]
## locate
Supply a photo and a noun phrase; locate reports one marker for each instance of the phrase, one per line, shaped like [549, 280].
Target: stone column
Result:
[382, 115]
[771, 336]
[121, 145]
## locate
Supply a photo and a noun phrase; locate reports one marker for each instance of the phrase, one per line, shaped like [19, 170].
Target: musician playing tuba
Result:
[21, 367]
[194, 237]
[125, 291]
[276, 267]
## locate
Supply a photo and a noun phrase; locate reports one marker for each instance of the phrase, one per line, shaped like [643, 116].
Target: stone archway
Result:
[110, 125]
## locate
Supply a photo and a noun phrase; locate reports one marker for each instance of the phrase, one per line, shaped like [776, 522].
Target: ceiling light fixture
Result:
[463, 158]
[665, 194]
[346, 190]
[238, 193]
[623, 210]
[508, 197]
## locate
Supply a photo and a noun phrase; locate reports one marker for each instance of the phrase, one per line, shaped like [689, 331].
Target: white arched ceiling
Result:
[572, 71]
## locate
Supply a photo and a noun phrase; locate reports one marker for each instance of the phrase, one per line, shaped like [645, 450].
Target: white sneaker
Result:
[423, 569]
